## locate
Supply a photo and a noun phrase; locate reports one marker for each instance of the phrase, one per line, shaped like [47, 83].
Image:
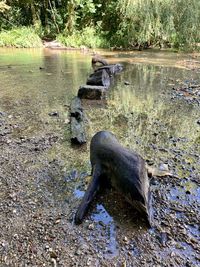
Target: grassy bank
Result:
[26, 37]
[87, 37]
[20, 37]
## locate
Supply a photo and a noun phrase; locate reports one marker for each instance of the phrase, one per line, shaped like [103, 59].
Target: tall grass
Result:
[20, 37]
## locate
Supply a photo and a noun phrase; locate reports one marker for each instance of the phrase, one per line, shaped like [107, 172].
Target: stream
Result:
[153, 107]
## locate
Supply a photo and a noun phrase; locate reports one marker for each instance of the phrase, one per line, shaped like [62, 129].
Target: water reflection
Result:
[106, 230]
[78, 193]
[32, 72]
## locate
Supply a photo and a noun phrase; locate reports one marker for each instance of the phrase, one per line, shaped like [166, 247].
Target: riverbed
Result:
[153, 107]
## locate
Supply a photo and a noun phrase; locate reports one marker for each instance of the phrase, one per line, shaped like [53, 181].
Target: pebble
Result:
[54, 114]
[127, 83]
[53, 254]
[91, 226]
[125, 239]
[163, 167]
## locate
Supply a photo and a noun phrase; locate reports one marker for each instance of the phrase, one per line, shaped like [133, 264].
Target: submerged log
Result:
[99, 77]
[76, 108]
[123, 169]
[78, 135]
[92, 92]
[98, 59]
[111, 69]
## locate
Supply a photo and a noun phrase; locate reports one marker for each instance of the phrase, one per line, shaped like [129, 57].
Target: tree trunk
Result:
[70, 25]
[34, 14]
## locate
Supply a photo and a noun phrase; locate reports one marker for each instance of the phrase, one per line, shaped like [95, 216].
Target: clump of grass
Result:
[86, 37]
[24, 37]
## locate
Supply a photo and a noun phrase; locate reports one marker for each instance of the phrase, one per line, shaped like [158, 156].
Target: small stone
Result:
[173, 254]
[101, 223]
[163, 167]
[54, 114]
[127, 83]
[88, 262]
[67, 121]
[2, 113]
[57, 221]
[53, 254]
[125, 239]
[91, 226]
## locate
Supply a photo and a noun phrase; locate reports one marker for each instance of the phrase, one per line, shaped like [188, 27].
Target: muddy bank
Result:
[43, 177]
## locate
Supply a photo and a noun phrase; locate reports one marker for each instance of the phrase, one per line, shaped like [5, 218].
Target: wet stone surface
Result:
[43, 178]
[189, 91]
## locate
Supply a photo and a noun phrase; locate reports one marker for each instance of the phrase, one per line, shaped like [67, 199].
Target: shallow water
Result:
[142, 114]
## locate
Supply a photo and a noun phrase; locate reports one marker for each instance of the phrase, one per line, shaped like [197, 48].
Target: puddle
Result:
[187, 194]
[194, 230]
[78, 193]
[106, 231]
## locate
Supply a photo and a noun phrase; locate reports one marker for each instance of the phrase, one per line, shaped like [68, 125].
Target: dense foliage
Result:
[115, 23]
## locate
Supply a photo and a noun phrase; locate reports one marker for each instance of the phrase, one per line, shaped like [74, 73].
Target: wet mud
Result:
[43, 178]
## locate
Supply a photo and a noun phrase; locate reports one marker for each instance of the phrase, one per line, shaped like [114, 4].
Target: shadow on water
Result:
[144, 117]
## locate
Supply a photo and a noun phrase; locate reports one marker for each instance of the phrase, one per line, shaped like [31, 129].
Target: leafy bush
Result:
[86, 37]
[20, 37]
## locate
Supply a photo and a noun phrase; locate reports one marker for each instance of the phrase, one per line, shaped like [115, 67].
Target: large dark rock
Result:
[99, 78]
[92, 92]
[99, 59]
[111, 69]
